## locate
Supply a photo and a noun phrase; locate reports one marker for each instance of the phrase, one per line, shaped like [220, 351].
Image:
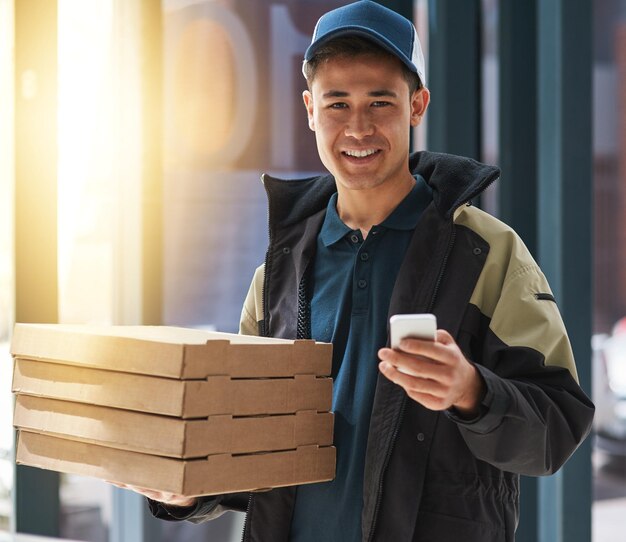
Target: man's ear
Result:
[308, 103]
[419, 104]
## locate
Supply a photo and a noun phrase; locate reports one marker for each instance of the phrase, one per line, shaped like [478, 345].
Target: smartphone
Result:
[412, 326]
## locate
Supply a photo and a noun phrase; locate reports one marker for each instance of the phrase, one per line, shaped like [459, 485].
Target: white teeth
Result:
[361, 154]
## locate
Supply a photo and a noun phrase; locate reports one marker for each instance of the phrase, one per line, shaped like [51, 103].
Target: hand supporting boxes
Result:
[178, 410]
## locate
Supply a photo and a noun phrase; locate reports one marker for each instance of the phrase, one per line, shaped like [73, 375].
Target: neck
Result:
[362, 209]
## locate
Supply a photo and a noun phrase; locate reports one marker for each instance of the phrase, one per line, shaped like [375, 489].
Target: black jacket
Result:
[430, 476]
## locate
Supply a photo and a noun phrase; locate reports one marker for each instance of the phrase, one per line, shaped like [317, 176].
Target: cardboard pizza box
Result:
[216, 474]
[168, 436]
[182, 398]
[170, 352]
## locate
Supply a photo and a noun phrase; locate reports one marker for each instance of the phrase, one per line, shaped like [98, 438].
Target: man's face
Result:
[361, 111]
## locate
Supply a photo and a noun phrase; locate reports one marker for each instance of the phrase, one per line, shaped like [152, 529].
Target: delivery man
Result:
[431, 438]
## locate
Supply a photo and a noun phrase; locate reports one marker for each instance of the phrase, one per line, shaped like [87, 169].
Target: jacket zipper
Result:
[268, 263]
[396, 430]
[386, 462]
[246, 525]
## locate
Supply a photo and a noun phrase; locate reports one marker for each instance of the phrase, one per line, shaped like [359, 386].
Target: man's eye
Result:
[380, 103]
[338, 105]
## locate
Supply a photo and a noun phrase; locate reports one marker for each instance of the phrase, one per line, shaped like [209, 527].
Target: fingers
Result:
[444, 349]
[414, 365]
[410, 382]
[160, 496]
[156, 495]
[429, 393]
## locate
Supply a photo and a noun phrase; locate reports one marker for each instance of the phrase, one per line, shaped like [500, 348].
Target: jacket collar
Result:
[454, 180]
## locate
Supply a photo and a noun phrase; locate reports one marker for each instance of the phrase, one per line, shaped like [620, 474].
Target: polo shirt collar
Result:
[403, 217]
[333, 228]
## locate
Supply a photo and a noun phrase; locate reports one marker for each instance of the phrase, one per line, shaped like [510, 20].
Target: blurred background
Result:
[133, 134]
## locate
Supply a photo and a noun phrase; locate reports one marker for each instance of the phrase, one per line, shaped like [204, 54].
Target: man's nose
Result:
[359, 125]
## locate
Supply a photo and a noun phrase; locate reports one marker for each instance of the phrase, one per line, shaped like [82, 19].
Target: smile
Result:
[360, 154]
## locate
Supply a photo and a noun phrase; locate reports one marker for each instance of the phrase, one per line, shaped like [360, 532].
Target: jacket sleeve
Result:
[534, 414]
[208, 508]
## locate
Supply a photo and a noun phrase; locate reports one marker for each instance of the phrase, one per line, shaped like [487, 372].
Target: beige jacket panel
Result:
[252, 311]
[507, 290]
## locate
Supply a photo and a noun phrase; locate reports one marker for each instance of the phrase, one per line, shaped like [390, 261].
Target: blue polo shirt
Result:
[352, 281]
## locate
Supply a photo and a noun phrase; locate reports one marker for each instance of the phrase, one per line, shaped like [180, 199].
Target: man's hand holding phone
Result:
[430, 366]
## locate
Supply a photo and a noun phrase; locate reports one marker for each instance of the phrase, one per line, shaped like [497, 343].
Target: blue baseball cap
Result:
[377, 23]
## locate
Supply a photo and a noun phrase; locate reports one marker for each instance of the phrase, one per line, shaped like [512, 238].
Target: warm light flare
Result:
[86, 118]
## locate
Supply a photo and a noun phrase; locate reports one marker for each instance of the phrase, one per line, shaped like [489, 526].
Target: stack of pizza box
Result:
[177, 410]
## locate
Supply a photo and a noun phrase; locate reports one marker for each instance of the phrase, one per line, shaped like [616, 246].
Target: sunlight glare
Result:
[86, 192]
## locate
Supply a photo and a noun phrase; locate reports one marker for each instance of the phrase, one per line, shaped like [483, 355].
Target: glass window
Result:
[609, 247]
[609, 340]
[233, 110]
[420, 20]
[490, 98]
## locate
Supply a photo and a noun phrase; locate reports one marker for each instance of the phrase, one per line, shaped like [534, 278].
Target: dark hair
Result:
[350, 47]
